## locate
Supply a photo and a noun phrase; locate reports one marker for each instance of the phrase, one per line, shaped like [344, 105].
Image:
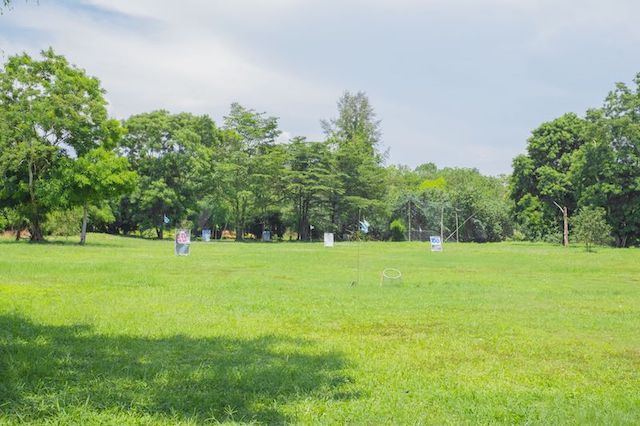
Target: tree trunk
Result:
[83, 232]
[18, 234]
[304, 231]
[565, 220]
[35, 229]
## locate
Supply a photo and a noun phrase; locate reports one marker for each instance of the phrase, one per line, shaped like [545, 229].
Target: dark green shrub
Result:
[397, 230]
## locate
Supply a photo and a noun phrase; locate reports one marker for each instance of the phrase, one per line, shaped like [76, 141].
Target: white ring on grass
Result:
[391, 274]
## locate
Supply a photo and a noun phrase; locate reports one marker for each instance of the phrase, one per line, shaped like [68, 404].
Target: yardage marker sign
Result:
[436, 243]
[183, 241]
[328, 239]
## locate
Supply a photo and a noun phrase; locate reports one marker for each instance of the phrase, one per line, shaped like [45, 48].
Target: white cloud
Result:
[176, 67]
[293, 58]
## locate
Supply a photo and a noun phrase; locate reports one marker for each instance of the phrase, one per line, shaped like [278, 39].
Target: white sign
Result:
[206, 235]
[266, 236]
[183, 241]
[436, 243]
[328, 239]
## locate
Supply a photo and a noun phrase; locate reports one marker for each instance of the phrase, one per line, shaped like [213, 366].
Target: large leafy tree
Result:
[50, 111]
[541, 184]
[311, 183]
[355, 137]
[356, 121]
[96, 177]
[248, 170]
[166, 149]
[607, 169]
[230, 175]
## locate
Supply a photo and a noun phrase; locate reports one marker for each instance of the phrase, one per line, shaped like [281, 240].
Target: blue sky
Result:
[455, 82]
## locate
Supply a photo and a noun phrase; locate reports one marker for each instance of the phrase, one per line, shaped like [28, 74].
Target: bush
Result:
[553, 237]
[397, 229]
[517, 235]
[64, 223]
[590, 226]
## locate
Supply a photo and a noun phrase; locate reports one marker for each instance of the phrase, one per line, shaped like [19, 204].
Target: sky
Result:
[460, 83]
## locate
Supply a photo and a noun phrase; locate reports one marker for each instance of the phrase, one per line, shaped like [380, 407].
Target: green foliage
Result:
[312, 185]
[59, 149]
[356, 121]
[591, 227]
[354, 136]
[397, 229]
[50, 112]
[438, 183]
[63, 223]
[249, 171]
[172, 155]
[608, 170]
[541, 178]
[254, 128]
[578, 162]
[531, 217]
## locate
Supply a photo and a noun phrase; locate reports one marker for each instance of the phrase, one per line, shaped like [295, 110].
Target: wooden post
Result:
[565, 220]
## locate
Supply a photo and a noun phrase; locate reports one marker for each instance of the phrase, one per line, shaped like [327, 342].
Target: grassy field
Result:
[124, 332]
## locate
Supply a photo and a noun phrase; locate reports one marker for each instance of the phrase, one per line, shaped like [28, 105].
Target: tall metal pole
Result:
[457, 227]
[409, 220]
[358, 243]
[442, 223]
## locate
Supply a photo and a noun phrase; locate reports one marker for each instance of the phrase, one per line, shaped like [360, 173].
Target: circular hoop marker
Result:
[392, 275]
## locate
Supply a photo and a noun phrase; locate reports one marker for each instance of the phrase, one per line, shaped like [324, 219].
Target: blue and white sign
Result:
[206, 235]
[266, 236]
[436, 243]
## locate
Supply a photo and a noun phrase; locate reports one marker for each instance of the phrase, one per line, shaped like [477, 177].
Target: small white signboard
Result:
[206, 235]
[183, 241]
[328, 239]
[266, 236]
[436, 243]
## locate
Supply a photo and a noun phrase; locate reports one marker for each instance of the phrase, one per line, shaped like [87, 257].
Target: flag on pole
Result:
[364, 226]
[166, 219]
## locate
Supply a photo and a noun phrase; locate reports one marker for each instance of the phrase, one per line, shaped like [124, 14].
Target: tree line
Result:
[66, 166]
[576, 164]
[64, 162]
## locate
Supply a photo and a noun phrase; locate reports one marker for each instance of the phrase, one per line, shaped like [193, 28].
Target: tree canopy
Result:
[583, 162]
[157, 170]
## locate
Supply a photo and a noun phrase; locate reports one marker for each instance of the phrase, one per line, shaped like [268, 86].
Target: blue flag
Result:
[364, 226]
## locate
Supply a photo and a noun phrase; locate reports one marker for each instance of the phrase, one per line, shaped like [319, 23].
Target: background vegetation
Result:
[59, 152]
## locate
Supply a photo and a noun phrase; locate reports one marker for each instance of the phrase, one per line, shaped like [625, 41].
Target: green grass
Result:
[124, 332]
